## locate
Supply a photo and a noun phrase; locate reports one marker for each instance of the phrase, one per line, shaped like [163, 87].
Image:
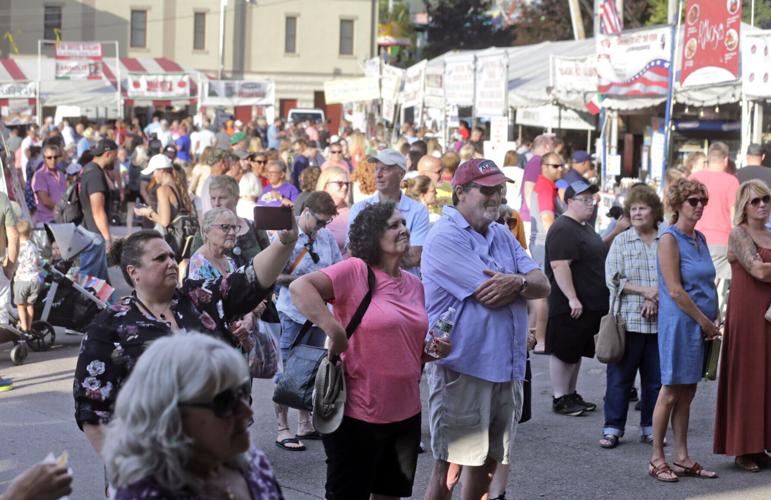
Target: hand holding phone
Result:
[273, 218]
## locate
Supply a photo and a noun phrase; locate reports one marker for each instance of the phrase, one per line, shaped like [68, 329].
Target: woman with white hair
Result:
[181, 426]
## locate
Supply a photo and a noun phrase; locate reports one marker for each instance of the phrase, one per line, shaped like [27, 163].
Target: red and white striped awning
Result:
[132, 67]
[12, 83]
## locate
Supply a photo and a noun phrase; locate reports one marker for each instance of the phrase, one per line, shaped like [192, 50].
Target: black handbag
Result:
[295, 387]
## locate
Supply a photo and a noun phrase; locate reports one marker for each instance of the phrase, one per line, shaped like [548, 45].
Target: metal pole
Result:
[670, 94]
[223, 5]
[752, 14]
[39, 108]
[117, 78]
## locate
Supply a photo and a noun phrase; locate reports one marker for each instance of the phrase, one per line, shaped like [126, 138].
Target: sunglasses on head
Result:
[695, 200]
[756, 201]
[226, 403]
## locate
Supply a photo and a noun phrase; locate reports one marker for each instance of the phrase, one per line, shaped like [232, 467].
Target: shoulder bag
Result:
[611, 339]
[295, 388]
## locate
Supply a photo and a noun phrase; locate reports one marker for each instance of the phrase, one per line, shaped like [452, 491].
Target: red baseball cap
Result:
[481, 171]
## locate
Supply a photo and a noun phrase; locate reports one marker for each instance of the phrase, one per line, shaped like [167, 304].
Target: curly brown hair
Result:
[367, 229]
[645, 195]
[679, 191]
[364, 174]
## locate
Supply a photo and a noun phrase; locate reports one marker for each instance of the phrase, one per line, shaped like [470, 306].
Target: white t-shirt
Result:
[205, 138]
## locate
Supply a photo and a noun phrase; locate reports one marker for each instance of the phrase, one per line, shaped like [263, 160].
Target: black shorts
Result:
[365, 458]
[569, 338]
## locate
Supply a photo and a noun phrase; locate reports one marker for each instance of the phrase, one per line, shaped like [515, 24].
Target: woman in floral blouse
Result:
[119, 334]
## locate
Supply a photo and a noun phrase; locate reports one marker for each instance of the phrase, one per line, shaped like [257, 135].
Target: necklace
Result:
[161, 315]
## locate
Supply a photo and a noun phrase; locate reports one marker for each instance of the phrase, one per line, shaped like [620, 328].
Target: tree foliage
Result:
[400, 16]
[462, 25]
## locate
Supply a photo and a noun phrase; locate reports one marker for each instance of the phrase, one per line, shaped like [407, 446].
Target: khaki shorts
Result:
[471, 419]
[719, 255]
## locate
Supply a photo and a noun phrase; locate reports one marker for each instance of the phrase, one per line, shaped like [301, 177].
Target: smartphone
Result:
[273, 218]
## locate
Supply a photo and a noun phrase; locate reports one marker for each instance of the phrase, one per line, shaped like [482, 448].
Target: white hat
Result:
[157, 162]
[329, 395]
[238, 123]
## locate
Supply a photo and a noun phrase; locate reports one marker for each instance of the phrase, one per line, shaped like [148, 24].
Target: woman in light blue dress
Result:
[687, 321]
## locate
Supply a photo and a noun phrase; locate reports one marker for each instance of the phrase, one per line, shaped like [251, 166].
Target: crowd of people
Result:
[510, 255]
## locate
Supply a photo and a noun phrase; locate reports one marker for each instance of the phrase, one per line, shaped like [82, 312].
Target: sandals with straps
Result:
[609, 441]
[662, 472]
[695, 470]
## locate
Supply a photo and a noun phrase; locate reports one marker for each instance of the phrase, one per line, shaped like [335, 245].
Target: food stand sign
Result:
[711, 42]
[389, 89]
[238, 93]
[634, 63]
[17, 90]
[162, 86]
[413, 85]
[459, 80]
[574, 73]
[756, 65]
[78, 69]
[351, 90]
[490, 87]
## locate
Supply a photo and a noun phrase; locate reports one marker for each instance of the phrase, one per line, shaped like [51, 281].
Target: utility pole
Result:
[221, 70]
[577, 20]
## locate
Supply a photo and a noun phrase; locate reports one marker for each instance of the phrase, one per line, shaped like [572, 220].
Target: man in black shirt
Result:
[95, 201]
[754, 166]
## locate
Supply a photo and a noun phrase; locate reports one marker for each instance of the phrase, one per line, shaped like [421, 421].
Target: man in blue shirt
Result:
[476, 266]
[389, 172]
[275, 133]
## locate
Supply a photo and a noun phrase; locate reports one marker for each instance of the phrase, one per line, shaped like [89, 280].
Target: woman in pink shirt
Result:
[375, 449]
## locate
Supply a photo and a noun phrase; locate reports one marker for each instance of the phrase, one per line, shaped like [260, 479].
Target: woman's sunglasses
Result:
[226, 403]
[694, 201]
[756, 201]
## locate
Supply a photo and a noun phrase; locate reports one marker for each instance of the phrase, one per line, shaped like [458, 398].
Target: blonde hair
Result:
[743, 196]
[466, 152]
[24, 228]
[327, 174]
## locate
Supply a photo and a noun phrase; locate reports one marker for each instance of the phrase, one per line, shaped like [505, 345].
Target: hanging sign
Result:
[711, 42]
[162, 86]
[634, 63]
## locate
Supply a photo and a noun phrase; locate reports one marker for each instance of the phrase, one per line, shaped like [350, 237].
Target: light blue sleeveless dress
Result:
[681, 344]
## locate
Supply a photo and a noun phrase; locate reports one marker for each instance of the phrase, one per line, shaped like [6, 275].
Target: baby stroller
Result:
[62, 302]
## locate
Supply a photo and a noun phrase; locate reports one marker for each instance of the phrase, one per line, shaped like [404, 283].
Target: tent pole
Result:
[670, 92]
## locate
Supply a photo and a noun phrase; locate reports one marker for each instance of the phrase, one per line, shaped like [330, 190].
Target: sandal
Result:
[284, 442]
[695, 470]
[762, 459]
[662, 472]
[745, 462]
[609, 441]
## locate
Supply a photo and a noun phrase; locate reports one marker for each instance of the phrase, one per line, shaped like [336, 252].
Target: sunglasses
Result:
[52, 157]
[488, 190]
[554, 165]
[694, 201]
[336, 152]
[314, 256]
[226, 403]
[756, 201]
[340, 184]
[226, 228]
[260, 162]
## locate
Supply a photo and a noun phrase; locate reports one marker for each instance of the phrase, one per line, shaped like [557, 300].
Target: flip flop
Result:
[313, 436]
[283, 444]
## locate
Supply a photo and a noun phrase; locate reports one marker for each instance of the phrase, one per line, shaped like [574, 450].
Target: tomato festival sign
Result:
[711, 42]
[163, 86]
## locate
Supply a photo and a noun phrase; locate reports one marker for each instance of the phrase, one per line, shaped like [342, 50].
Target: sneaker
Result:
[587, 405]
[6, 384]
[633, 395]
[567, 405]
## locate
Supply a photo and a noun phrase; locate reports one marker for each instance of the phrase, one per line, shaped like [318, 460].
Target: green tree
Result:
[462, 25]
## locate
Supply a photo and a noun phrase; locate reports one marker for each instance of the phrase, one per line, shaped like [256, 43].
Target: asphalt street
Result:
[555, 456]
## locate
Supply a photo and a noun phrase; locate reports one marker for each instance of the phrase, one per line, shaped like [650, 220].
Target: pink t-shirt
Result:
[716, 222]
[382, 363]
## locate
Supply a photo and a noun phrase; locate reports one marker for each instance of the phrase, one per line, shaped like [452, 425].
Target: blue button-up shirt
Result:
[490, 344]
[329, 253]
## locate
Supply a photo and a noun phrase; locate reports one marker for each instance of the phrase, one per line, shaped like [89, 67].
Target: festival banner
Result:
[163, 86]
[574, 73]
[412, 95]
[79, 50]
[711, 42]
[17, 90]
[491, 84]
[459, 80]
[351, 90]
[78, 69]
[390, 85]
[238, 93]
[433, 86]
[756, 65]
[634, 63]
[551, 116]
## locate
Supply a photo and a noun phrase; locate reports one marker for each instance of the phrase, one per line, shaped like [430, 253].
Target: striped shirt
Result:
[635, 262]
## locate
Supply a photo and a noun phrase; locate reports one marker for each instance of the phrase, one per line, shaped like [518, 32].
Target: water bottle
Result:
[441, 330]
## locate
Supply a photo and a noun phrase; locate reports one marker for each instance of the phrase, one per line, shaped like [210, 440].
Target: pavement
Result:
[555, 456]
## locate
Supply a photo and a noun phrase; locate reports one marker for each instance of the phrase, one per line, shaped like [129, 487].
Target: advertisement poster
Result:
[351, 90]
[164, 86]
[78, 69]
[490, 87]
[238, 93]
[634, 63]
[756, 65]
[711, 37]
[459, 80]
[574, 74]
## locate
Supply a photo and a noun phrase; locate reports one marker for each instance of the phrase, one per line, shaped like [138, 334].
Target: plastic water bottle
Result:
[441, 330]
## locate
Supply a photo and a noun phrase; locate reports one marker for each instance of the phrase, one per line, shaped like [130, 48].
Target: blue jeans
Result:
[642, 352]
[93, 259]
[289, 331]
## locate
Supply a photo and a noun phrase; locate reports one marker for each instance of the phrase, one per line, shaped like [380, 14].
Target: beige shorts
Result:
[471, 419]
[719, 255]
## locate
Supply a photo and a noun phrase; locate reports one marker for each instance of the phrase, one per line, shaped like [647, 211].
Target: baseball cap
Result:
[241, 154]
[103, 146]
[389, 157]
[237, 137]
[170, 151]
[755, 149]
[157, 162]
[481, 171]
[578, 187]
[580, 156]
[215, 156]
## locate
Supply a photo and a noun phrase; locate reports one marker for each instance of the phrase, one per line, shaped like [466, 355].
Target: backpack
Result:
[180, 233]
[68, 209]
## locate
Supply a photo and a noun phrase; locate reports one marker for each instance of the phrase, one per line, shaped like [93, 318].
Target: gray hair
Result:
[145, 437]
[212, 215]
[226, 183]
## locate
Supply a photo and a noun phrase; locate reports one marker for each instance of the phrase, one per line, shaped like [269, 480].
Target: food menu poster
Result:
[711, 42]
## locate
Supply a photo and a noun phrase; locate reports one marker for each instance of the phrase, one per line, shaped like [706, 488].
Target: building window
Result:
[52, 20]
[138, 28]
[290, 35]
[346, 37]
[199, 31]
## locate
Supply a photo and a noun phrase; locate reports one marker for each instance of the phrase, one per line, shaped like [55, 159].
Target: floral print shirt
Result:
[119, 334]
[257, 473]
[201, 269]
[28, 262]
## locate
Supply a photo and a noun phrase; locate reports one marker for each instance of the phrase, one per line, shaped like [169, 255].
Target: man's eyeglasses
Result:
[259, 162]
[314, 256]
[320, 223]
[227, 228]
[554, 165]
[340, 184]
[756, 201]
[335, 151]
[488, 190]
[225, 404]
[52, 157]
[586, 201]
[694, 201]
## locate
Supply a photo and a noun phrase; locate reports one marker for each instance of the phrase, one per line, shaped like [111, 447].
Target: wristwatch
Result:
[524, 285]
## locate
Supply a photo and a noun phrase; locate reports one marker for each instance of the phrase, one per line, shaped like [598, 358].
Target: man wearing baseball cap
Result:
[476, 266]
[390, 167]
[95, 201]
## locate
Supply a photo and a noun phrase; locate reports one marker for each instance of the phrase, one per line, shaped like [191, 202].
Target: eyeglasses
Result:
[320, 223]
[335, 152]
[694, 201]
[314, 256]
[226, 228]
[340, 184]
[226, 403]
[586, 201]
[52, 157]
[261, 162]
[554, 165]
[488, 190]
[756, 201]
